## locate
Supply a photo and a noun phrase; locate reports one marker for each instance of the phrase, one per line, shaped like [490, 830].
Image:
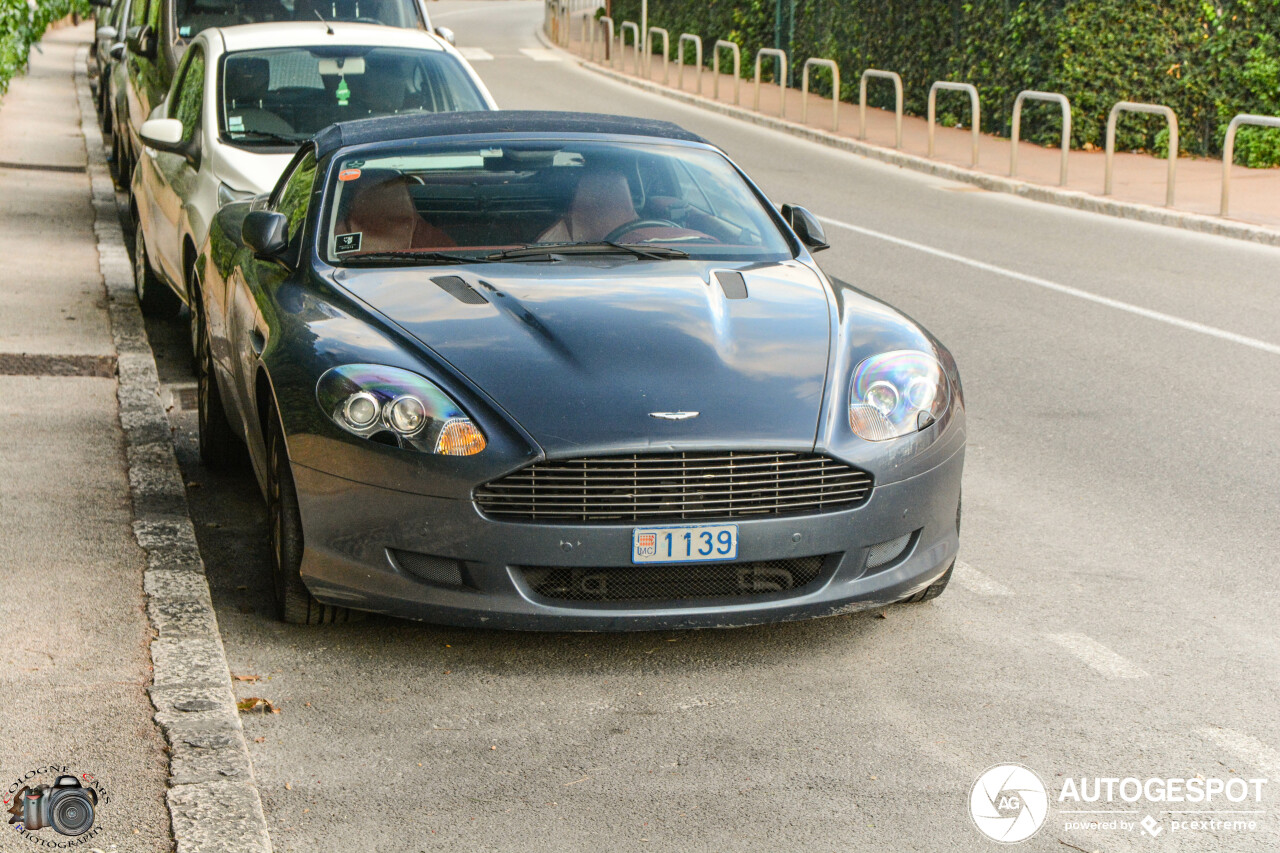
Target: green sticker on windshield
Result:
[344, 93]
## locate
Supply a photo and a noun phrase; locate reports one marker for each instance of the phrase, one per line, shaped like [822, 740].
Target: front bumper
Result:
[348, 528]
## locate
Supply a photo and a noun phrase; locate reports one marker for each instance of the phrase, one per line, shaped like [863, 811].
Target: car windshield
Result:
[282, 95]
[192, 16]
[505, 200]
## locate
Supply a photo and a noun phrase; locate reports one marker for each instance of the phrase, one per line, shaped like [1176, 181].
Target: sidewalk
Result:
[73, 630]
[1138, 178]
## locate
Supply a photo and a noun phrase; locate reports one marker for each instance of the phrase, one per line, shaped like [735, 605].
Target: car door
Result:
[171, 178]
[253, 280]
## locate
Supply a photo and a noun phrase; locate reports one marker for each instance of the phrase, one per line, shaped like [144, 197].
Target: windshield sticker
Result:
[348, 174]
[235, 124]
[347, 242]
[184, 32]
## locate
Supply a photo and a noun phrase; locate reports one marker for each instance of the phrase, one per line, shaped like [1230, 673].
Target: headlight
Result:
[398, 407]
[226, 195]
[896, 393]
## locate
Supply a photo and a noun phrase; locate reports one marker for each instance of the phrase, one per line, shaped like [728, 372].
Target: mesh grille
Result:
[886, 552]
[666, 583]
[673, 486]
[438, 570]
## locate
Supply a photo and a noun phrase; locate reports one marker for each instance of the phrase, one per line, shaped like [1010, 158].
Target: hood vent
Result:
[459, 289]
[732, 283]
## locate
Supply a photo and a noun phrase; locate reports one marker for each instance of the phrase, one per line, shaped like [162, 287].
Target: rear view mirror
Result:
[344, 66]
[142, 42]
[806, 226]
[447, 34]
[117, 51]
[267, 233]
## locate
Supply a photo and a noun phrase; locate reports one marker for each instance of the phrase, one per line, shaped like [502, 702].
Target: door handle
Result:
[257, 341]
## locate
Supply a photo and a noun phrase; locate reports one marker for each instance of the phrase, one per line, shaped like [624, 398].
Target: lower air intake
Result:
[885, 553]
[673, 583]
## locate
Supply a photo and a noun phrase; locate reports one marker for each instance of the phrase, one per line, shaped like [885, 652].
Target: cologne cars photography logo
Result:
[52, 801]
[1008, 803]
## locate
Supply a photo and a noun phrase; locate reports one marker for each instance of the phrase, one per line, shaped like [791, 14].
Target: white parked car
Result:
[242, 100]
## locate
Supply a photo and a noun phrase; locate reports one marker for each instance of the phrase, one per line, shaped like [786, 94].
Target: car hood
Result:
[249, 171]
[581, 354]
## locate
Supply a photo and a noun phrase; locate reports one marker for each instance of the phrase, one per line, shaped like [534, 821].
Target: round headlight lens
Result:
[361, 410]
[407, 415]
[896, 393]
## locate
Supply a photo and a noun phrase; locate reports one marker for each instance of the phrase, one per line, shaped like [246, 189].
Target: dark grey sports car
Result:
[566, 371]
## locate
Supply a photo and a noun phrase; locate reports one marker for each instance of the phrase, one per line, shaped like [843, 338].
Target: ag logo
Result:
[1008, 803]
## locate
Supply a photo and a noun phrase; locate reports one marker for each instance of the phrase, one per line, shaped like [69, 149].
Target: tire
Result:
[220, 448]
[104, 108]
[936, 588]
[294, 602]
[156, 299]
[117, 161]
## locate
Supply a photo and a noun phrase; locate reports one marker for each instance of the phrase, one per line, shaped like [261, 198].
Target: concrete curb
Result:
[1036, 192]
[213, 801]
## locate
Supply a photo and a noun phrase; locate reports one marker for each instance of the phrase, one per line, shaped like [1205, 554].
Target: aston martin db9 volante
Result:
[566, 371]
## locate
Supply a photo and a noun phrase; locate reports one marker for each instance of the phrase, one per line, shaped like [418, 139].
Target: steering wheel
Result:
[628, 227]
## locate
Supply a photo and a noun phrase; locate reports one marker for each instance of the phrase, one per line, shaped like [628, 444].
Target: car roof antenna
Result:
[328, 29]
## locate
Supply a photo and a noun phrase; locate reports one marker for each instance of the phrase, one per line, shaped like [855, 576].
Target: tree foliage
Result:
[22, 24]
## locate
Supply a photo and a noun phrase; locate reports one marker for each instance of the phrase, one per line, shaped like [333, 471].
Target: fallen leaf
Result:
[249, 678]
[288, 786]
[259, 740]
[256, 705]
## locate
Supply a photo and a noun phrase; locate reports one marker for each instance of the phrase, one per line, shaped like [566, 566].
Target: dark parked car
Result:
[566, 371]
[158, 32]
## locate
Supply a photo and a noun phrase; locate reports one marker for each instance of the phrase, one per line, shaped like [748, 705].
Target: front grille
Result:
[674, 486]
[673, 583]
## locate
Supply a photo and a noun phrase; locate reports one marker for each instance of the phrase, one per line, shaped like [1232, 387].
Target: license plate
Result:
[690, 543]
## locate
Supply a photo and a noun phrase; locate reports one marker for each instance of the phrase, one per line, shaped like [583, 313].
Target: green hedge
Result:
[21, 26]
[1206, 60]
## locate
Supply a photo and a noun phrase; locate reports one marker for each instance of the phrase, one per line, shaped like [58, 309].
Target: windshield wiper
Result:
[403, 258]
[603, 247]
[266, 136]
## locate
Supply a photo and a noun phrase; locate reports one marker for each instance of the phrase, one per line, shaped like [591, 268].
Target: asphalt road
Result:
[1116, 616]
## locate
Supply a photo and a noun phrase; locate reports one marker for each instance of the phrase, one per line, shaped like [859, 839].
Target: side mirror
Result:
[107, 33]
[142, 42]
[117, 51]
[806, 226]
[447, 34]
[267, 233]
[164, 134]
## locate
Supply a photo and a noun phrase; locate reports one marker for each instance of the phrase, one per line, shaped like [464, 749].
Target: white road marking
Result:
[1248, 749]
[540, 54]
[1098, 656]
[975, 581]
[475, 54]
[1159, 316]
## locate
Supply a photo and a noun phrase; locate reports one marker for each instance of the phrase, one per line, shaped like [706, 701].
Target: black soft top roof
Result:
[420, 125]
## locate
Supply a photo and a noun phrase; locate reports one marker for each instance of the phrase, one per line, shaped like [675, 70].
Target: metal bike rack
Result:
[1152, 109]
[782, 77]
[1229, 149]
[835, 90]
[973, 105]
[697, 58]
[1051, 97]
[609, 53]
[737, 69]
[622, 43]
[897, 107]
[666, 52]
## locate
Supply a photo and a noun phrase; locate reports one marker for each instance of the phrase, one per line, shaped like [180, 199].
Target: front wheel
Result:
[295, 604]
[220, 448]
